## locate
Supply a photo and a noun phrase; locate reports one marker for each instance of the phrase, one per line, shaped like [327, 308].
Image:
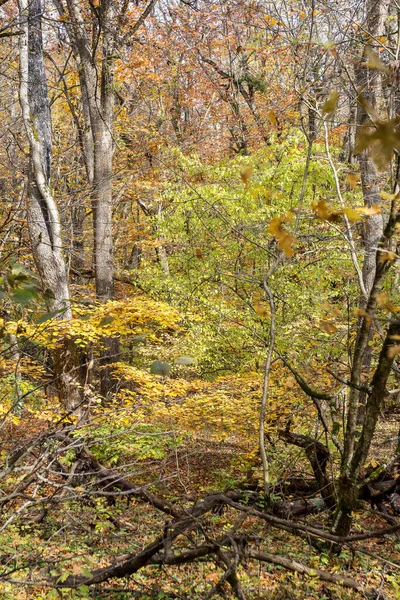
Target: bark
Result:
[318, 456]
[369, 84]
[349, 489]
[363, 336]
[97, 95]
[42, 212]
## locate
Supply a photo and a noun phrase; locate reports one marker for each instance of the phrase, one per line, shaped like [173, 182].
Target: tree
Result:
[42, 211]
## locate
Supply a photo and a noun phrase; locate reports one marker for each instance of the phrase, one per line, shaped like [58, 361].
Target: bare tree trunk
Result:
[97, 92]
[369, 84]
[42, 212]
[356, 446]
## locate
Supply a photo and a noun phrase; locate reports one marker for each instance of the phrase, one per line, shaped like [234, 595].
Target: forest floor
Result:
[86, 534]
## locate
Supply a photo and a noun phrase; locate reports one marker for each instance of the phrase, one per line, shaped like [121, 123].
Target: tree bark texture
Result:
[42, 212]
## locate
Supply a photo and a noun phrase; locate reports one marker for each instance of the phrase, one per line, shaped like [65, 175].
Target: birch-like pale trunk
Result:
[41, 209]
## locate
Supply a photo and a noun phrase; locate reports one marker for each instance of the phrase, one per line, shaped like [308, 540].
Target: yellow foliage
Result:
[228, 406]
[122, 318]
[285, 239]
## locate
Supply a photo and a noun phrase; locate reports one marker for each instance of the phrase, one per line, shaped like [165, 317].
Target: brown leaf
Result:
[246, 173]
[324, 211]
[387, 256]
[381, 138]
[328, 326]
[363, 313]
[392, 351]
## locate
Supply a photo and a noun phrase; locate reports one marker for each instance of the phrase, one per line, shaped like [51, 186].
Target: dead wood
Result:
[318, 456]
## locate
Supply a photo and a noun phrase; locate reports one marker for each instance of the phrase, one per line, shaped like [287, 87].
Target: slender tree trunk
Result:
[369, 84]
[356, 445]
[42, 212]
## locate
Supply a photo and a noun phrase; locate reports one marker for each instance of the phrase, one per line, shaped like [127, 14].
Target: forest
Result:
[200, 299]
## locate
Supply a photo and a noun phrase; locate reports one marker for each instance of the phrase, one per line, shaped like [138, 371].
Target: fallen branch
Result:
[293, 565]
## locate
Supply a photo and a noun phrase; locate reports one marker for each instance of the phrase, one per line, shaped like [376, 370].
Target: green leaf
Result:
[160, 368]
[63, 577]
[23, 296]
[49, 294]
[335, 428]
[106, 321]
[49, 315]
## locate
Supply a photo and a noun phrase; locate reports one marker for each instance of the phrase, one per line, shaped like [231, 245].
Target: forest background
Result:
[199, 324]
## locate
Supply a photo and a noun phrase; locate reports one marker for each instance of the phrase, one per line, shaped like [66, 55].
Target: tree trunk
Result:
[42, 212]
[356, 446]
[369, 84]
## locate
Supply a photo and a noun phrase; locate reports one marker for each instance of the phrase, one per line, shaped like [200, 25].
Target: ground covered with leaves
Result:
[87, 501]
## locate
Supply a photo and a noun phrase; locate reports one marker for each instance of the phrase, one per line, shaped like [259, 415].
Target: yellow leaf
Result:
[285, 239]
[271, 20]
[353, 179]
[272, 117]
[352, 214]
[375, 209]
[261, 309]
[386, 196]
[374, 62]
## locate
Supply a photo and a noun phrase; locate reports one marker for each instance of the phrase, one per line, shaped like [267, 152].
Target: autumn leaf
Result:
[323, 211]
[352, 215]
[387, 256]
[375, 209]
[331, 103]
[261, 309]
[392, 351]
[272, 117]
[364, 314]
[373, 61]
[328, 326]
[353, 179]
[246, 173]
[381, 299]
[387, 196]
[381, 138]
[271, 20]
[285, 239]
